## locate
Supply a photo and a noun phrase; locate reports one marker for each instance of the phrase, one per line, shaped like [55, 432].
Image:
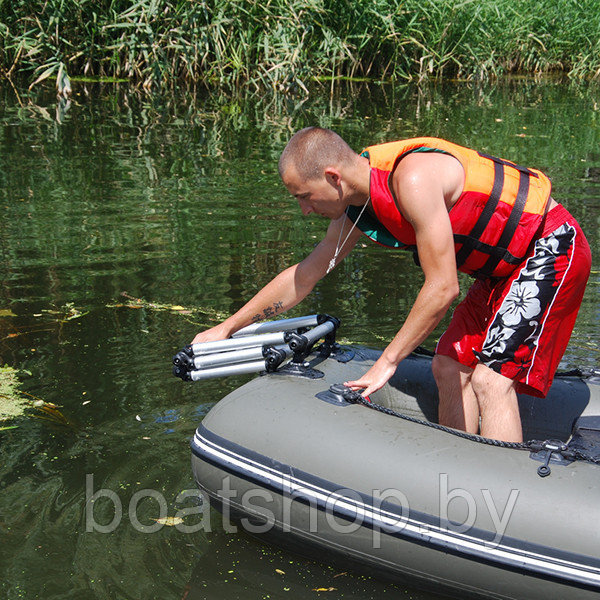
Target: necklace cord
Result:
[339, 247]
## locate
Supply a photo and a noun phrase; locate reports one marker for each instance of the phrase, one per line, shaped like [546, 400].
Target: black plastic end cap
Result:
[183, 360]
[273, 358]
[182, 373]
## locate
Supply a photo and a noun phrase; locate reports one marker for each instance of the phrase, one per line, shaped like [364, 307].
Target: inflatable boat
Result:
[376, 484]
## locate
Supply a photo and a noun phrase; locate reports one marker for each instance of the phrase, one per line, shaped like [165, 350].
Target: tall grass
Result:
[284, 44]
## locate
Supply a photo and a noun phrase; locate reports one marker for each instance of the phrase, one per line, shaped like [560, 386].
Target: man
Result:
[454, 208]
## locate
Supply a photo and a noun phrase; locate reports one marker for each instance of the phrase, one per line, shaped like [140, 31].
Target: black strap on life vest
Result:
[499, 251]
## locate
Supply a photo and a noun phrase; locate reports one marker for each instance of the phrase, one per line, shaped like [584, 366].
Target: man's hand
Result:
[219, 332]
[375, 378]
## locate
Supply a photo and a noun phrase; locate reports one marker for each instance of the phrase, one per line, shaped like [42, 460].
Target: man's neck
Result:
[360, 178]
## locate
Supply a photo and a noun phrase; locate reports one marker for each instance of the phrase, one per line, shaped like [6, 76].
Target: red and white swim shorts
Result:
[520, 326]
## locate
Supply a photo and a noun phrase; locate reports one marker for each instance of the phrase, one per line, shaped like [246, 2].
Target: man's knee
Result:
[445, 368]
[488, 384]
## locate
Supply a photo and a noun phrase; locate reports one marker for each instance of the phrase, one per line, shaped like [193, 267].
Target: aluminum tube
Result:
[247, 367]
[319, 331]
[250, 341]
[228, 358]
[281, 325]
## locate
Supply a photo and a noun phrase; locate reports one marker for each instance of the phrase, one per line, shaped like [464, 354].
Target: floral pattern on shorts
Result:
[518, 323]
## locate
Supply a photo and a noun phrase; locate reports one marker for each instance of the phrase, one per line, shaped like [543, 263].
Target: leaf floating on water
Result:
[73, 312]
[14, 402]
[331, 589]
[50, 412]
[212, 314]
[54, 415]
[169, 521]
[67, 312]
[6, 312]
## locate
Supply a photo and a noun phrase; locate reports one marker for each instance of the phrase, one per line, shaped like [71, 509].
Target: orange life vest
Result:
[494, 221]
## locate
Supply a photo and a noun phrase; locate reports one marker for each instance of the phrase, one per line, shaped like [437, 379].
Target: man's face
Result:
[320, 196]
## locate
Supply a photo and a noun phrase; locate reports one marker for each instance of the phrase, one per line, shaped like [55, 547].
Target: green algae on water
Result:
[12, 402]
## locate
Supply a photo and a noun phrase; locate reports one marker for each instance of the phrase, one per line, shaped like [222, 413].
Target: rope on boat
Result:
[356, 398]
[550, 447]
[580, 455]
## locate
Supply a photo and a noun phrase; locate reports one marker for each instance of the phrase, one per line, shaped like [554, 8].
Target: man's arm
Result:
[422, 201]
[291, 285]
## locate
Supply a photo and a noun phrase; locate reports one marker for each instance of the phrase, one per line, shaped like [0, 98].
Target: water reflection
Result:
[238, 567]
[176, 200]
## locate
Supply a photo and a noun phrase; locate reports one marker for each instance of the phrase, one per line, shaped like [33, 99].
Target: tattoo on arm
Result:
[269, 311]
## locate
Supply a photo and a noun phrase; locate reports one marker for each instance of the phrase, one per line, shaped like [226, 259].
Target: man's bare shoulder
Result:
[430, 172]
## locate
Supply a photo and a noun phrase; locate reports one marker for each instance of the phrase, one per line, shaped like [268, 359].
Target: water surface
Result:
[175, 200]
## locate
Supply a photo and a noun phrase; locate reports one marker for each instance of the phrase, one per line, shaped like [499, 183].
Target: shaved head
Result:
[311, 150]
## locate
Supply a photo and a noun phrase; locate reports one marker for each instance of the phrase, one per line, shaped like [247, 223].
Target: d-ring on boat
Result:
[302, 461]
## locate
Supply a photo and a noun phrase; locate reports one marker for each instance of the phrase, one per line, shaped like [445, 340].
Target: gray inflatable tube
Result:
[298, 465]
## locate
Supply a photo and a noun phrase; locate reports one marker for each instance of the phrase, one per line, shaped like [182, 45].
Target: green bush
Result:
[282, 44]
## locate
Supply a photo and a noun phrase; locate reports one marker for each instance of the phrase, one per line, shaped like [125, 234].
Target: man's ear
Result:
[333, 176]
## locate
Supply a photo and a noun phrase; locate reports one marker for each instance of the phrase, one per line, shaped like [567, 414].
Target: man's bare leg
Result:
[498, 405]
[458, 406]
[465, 394]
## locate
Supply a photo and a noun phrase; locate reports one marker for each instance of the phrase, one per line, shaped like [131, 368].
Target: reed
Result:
[284, 44]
